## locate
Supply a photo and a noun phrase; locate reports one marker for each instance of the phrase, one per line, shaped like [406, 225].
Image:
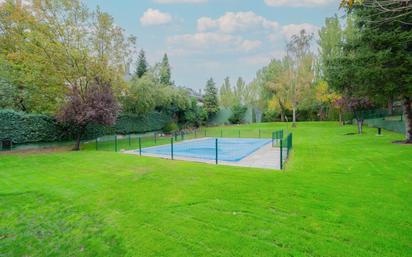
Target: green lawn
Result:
[341, 195]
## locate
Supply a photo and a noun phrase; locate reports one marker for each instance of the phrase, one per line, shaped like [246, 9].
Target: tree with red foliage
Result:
[93, 104]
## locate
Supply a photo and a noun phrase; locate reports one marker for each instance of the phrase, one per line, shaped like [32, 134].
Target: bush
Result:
[170, 127]
[23, 128]
[129, 123]
[238, 114]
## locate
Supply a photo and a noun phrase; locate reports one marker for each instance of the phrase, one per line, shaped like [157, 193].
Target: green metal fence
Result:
[385, 119]
[137, 142]
[284, 143]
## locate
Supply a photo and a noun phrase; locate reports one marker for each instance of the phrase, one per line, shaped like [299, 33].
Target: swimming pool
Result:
[229, 149]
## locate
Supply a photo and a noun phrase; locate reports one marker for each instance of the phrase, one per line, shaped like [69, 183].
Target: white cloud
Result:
[294, 29]
[212, 41]
[236, 22]
[180, 1]
[299, 3]
[152, 17]
[248, 45]
[263, 59]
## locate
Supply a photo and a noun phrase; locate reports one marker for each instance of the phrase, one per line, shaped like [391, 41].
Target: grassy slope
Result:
[342, 195]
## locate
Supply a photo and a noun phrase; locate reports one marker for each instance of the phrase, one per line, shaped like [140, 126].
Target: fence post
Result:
[130, 142]
[182, 135]
[154, 134]
[140, 146]
[115, 143]
[97, 142]
[217, 151]
[171, 145]
[195, 133]
[281, 154]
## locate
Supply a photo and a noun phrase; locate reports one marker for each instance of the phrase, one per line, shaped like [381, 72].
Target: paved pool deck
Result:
[266, 157]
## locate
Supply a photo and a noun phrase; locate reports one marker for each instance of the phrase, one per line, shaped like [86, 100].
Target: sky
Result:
[215, 38]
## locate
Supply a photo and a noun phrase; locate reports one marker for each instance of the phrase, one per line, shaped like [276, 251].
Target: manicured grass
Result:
[341, 195]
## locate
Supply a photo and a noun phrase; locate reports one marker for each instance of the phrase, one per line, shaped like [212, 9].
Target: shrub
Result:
[23, 128]
[238, 114]
[170, 127]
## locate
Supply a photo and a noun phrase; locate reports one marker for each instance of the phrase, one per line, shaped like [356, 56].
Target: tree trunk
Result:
[408, 119]
[390, 106]
[282, 116]
[340, 118]
[78, 139]
[360, 125]
[294, 118]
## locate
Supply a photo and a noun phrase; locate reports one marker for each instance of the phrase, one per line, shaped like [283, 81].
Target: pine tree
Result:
[141, 64]
[165, 72]
[210, 99]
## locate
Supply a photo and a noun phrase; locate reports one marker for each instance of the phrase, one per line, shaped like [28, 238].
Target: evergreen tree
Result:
[165, 72]
[376, 59]
[142, 65]
[210, 99]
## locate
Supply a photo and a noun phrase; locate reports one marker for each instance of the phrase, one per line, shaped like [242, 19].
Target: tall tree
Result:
[278, 84]
[51, 46]
[377, 59]
[142, 65]
[226, 94]
[211, 102]
[165, 72]
[300, 68]
[240, 91]
[330, 40]
[30, 82]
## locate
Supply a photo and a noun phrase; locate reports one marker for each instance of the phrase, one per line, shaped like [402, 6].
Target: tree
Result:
[274, 87]
[392, 10]
[141, 64]
[96, 105]
[30, 83]
[195, 115]
[142, 95]
[211, 103]
[85, 51]
[376, 61]
[330, 40]
[240, 91]
[299, 59]
[165, 72]
[226, 94]
[54, 45]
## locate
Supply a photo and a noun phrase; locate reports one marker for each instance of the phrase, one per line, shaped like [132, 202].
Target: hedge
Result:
[22, 127]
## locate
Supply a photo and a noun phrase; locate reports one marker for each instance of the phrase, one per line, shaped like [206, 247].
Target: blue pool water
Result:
[229, 149]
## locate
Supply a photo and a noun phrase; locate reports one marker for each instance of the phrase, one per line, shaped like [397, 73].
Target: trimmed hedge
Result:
[128, 124]
[23, 128]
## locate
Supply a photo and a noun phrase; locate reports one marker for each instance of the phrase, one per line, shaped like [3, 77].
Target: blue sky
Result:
[215, 38]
